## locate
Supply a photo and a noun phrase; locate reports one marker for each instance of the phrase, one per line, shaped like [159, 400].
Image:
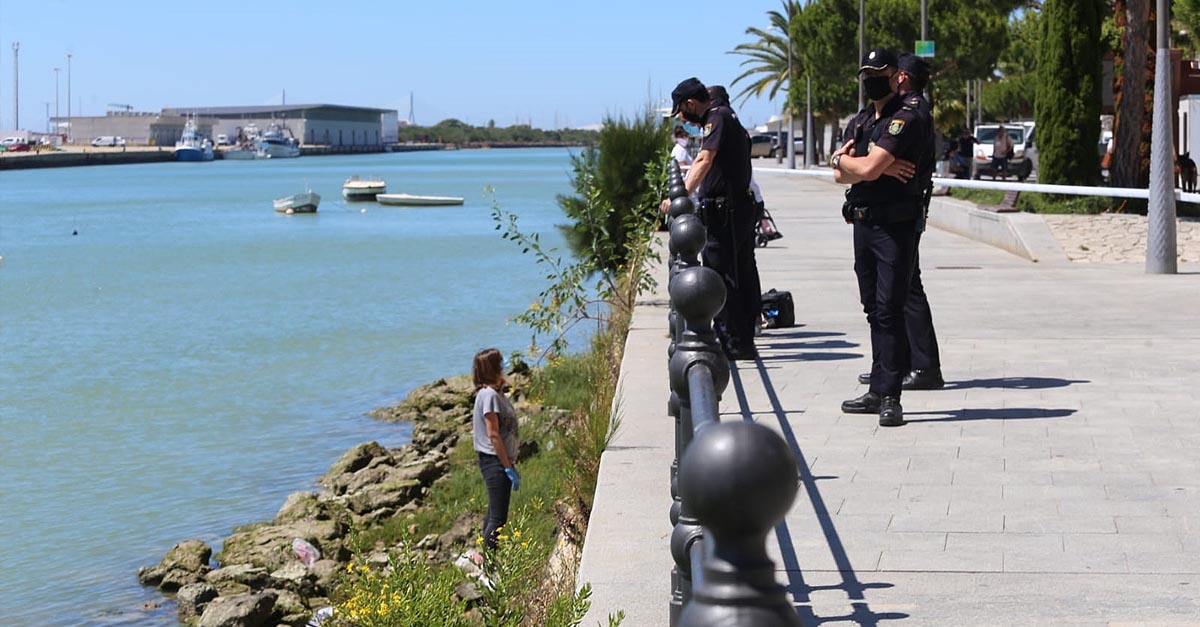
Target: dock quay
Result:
[89, 155]
[1053, 480]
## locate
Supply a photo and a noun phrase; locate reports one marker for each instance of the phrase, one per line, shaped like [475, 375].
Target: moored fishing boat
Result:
[274, 145]
[418, 201]
[359, 189]
[191, 146]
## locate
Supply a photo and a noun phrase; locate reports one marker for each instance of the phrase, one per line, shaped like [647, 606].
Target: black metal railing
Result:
[731, 482]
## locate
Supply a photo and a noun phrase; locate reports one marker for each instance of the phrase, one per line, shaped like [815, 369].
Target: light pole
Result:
[56, 70]
[1160, 238]
[809, 145]
[16, 87]
[69, 97]
[787, 103]
[862, 50]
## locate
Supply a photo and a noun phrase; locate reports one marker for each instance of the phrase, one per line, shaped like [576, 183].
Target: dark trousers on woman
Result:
[883, 260]
[499, 490]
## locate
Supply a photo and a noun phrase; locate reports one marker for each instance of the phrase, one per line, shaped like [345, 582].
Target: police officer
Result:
[720, 178]
[926, 369]
[883, 146]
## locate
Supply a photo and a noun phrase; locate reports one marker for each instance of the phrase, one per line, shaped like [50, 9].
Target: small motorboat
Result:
[418, 201]
[298, 203]
[358, 189]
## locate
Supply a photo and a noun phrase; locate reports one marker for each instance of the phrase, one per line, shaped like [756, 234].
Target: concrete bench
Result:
[1007, 205]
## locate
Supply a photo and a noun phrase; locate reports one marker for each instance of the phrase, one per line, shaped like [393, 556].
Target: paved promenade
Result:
[1054, 481]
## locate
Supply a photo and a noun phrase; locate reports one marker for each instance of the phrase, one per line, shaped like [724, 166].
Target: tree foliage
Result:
[454, 131]
[767, 57]
[1068, 96]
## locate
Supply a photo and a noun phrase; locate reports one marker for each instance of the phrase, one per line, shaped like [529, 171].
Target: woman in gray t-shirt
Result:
[496, 440]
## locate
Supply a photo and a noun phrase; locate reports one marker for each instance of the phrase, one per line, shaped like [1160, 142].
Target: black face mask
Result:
[876, 87]
[693, 118]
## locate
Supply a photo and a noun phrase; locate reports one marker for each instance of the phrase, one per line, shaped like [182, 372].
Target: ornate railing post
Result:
[740, 479]
[698, 370]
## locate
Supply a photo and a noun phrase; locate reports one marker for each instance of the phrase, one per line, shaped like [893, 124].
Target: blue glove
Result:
[514, 477]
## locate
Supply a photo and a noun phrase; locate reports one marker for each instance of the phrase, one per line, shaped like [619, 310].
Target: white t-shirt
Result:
[755, 190]
[488, 400]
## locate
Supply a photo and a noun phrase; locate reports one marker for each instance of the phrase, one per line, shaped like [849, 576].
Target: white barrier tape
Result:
[1040, 188]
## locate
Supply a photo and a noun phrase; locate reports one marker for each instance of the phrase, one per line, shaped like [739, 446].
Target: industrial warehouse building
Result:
[313, 124]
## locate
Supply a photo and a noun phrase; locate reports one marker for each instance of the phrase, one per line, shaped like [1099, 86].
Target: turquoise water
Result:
[191, 357]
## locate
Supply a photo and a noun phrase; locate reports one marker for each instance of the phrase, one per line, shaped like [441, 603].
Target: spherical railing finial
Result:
[688, 235]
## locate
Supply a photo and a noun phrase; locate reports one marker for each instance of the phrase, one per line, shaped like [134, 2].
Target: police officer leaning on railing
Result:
[883, 144]
[720, 178]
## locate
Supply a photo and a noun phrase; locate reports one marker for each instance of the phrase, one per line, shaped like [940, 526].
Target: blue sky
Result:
[552, 63]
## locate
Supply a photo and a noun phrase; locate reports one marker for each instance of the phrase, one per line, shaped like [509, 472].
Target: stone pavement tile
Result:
[1171, 478]
[806, 524]
[1061, 492]
[1113, 507]
[1123, 543]
[1021, 476]
[1022, 561]
[969, 522]
[1027, 542]
[927, 477]
[972, 561]
[894, 506]
[951, 492]
[1169, 562]
[1028, 507]
[1102, 478]
[968, 466]
[820, 558]
[1152, 524]
[1056, 465]
[1026, 523]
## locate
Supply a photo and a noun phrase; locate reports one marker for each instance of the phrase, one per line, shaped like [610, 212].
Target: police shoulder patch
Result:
[707, 129]
[896, 127]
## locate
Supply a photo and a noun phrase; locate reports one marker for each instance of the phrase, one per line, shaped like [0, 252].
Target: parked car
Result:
[14, 144]
[1031, 151]
[762, 146]
[108, 140]
[985, 135]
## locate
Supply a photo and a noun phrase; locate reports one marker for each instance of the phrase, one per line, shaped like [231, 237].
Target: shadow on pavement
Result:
[1013, 383]
[810, 357]
[777, 346]
[1009, 413]
[854, 589]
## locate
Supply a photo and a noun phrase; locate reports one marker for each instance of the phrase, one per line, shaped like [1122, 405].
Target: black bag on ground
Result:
[778, 310]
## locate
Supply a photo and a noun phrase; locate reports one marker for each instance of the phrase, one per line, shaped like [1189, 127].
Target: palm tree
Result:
[767, 58]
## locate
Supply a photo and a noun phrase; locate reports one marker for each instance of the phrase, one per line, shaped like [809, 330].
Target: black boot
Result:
[891, 414]
[866, 404]
[923, 380]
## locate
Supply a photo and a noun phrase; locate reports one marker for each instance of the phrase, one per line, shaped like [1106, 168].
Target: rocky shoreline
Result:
[267, 575]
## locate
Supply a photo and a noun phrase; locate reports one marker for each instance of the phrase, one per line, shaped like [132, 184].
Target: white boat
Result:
[274, 145]
[191, 146]
[418, 201]
[358, 189]
[298, 203]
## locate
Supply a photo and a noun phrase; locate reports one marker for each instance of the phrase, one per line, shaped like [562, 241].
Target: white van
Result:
[108, 140]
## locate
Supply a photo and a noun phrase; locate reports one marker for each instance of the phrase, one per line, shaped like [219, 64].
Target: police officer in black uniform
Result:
[720, 176]
[884, 145]
[926, 369]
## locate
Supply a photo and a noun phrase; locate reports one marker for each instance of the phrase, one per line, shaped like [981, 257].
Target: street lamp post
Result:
[862, 50]
[56, 70]
[1160, 238]
[787, 103]
[68, 96]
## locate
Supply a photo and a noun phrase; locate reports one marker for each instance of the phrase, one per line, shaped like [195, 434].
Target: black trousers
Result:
[499, 492]
[730, 251]
[918, 319]
[883, 261]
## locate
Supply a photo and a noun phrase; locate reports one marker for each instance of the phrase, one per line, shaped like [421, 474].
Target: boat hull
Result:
[298, 203]
[363, 190]
[409, 200]
[278, 151]
[238, 155]
[193, 154]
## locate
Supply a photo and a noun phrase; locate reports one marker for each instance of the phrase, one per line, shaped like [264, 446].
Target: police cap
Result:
[877, 59]
[913, 65]
[685, 90]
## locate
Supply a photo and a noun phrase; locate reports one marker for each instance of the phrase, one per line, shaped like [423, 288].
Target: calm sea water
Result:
[191, 357]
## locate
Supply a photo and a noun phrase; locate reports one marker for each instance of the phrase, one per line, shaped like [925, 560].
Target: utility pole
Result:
[1160, 237]
[791, 147]
[16, 87]
[56, 70]
[69, 138]
[862, 50]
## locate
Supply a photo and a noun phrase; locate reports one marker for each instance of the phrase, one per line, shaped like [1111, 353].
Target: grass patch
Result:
[977, 196]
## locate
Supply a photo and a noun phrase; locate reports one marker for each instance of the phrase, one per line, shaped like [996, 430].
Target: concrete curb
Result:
[1022, 234]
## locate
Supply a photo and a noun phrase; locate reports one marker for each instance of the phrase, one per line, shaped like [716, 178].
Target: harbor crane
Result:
[120, 107]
